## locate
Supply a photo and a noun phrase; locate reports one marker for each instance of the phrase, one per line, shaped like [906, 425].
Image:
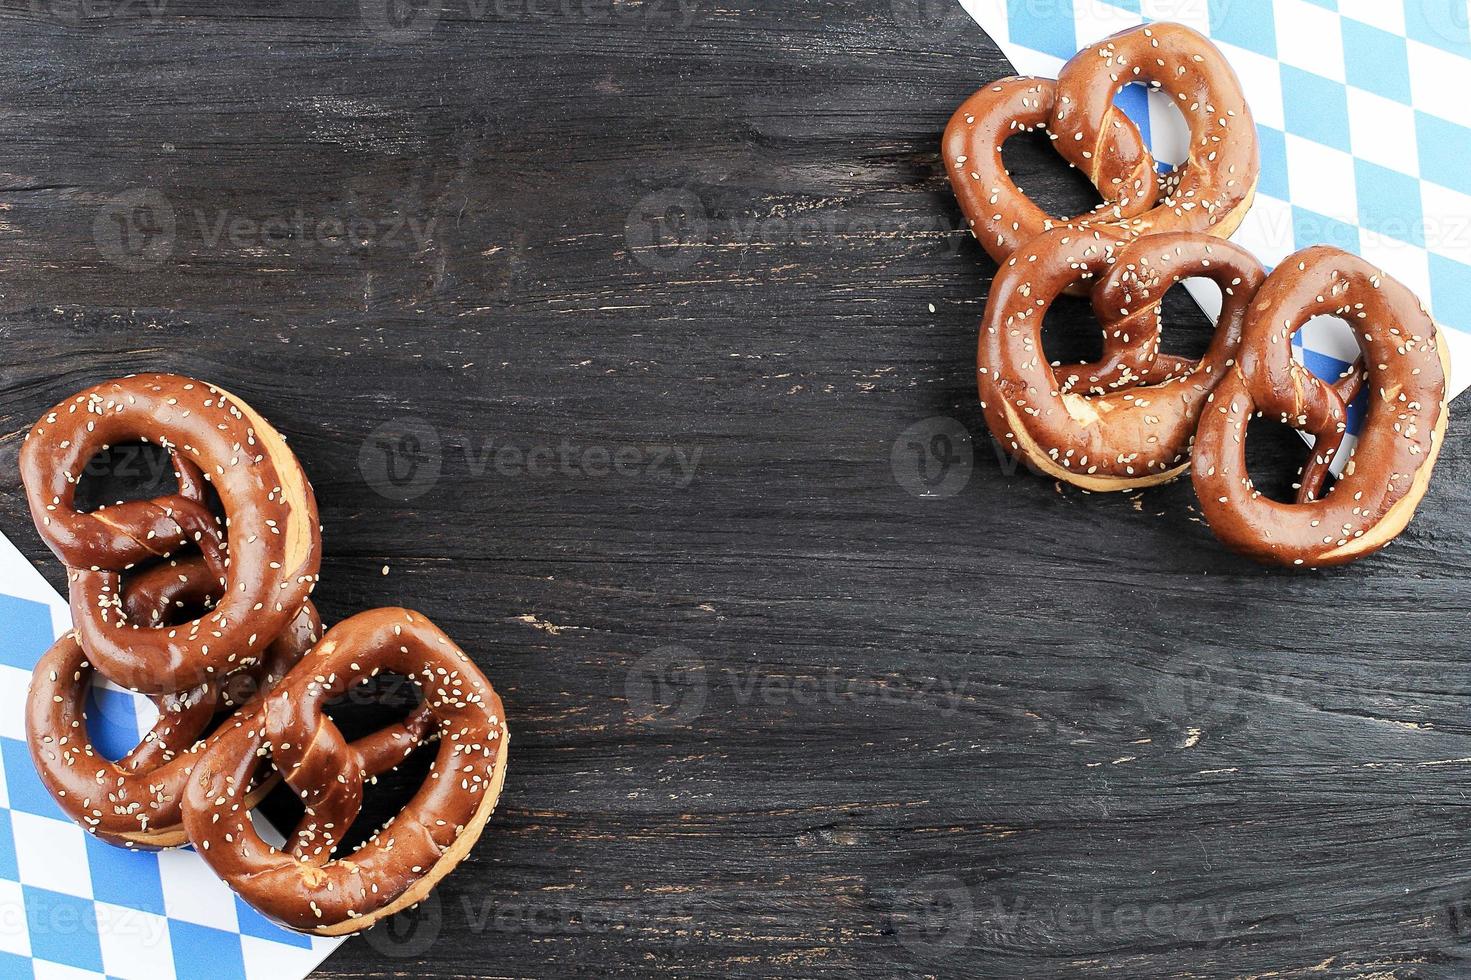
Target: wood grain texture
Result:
[779, 716]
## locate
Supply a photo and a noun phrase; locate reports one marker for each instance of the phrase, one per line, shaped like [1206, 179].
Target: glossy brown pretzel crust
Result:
[1406, 365]
[134, 802]
[1210, 192]
[1126, 421]
[271, 549]
[304, 886]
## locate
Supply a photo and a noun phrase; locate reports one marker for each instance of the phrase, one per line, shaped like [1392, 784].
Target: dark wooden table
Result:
[635, 341]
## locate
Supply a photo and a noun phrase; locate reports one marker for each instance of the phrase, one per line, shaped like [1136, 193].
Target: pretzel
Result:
[134, 802]
[304, 886]
[1126, 421]
[1404, 366]
[1000, 215]
[274, 543]
[1213, 189]
[1210, 192]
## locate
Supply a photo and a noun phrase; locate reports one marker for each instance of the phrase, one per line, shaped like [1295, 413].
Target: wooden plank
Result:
[773, 713]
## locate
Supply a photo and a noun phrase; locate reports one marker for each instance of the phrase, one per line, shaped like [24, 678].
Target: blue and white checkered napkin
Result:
[74, 907]
[1363, 108]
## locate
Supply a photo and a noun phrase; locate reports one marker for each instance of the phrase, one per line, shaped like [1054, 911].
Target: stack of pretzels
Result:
[200, 600]
[1137, 417]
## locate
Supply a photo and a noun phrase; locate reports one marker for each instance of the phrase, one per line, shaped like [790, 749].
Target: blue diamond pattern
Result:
[1317, 107]
[252, 923]
[1273, 149]
[14, 967]
[1376, 61]
[1381, 154]
[1450, 289]
[1053, 33]
[1389, 202]
[1247, 24]
[9, 870]
[27, 632]
[27, 793]
[63, 928]
[201, 951]
[1311, 228]
[126, 878]
[1444, 149]
[112, 721]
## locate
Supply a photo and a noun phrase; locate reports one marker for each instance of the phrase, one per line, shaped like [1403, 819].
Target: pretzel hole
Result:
[384, 797]
[368, 707]
[374, 703]
[128, 471]
[1054, 185]
[1275, 457]
[1160, 122]
[117, 720]
[1190, 310]
[1327, 346]
[1070, 332]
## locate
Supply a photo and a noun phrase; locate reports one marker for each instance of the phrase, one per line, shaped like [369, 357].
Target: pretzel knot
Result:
[304, 886]
[1403, 366]
[230, 630]
[1210, 192]
[269, 556]
[1127, 420]
[134, 801]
